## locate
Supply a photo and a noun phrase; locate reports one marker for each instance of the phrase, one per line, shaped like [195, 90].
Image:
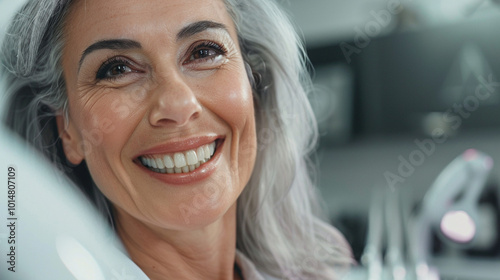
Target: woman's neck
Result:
[207, 253]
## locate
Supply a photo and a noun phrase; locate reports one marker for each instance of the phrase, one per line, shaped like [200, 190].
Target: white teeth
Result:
[207, 152]
[153, 163]
[159, 163]
[200, 152]
[169, 162]
[180, 162]
[212, 148]
[191, 157]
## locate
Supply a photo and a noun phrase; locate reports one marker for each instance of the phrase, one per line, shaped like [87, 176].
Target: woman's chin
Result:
[197, 214]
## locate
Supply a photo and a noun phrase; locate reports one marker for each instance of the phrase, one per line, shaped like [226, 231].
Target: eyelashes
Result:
[205, 51]
[203, 55]
[113, 68]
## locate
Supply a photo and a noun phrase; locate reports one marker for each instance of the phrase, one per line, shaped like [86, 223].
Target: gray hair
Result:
[279, 223]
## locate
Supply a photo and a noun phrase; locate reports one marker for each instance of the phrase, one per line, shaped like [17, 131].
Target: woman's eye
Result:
[113, 69]
[203, 53]
[118, 70]
[206, 53]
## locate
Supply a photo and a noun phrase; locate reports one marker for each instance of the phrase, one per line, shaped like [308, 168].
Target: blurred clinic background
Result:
[404, 88]
[408, 103]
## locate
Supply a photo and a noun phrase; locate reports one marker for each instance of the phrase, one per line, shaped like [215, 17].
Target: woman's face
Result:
[160, 107]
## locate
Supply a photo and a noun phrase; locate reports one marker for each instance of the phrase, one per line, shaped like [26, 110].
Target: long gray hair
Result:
[279, 224]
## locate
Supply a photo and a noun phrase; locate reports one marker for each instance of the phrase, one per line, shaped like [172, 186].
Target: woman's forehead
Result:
[154, 22]
[115, 18]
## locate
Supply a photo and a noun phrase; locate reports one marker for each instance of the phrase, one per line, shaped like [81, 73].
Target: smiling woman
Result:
[186, 123]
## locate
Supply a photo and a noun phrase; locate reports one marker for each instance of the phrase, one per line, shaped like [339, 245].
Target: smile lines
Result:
[183, 162]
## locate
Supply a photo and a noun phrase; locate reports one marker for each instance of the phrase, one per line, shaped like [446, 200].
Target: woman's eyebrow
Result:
[124, 44]
[115, 44]
[199, 26]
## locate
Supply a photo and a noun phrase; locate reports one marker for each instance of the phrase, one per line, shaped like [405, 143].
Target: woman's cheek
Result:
[231, 96]
[239, 111]
[109, 118]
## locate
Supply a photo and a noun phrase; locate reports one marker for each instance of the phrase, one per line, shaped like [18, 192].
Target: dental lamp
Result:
[450, 205]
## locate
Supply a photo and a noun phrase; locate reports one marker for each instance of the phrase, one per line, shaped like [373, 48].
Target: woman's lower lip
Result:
[200, 173]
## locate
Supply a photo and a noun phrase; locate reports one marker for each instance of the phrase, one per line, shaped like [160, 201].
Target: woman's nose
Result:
[174, 103]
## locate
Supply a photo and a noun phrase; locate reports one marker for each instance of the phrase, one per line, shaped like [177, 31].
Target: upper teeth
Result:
[182, 162]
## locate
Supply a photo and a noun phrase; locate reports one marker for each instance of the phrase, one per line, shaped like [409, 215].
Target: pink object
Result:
[470, 154]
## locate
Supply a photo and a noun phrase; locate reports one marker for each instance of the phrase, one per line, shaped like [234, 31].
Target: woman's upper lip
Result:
[181, 145]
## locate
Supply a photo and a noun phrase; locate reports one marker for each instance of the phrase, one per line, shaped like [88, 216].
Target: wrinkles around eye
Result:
[204, 55]
[119, 70]
[116, 67]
